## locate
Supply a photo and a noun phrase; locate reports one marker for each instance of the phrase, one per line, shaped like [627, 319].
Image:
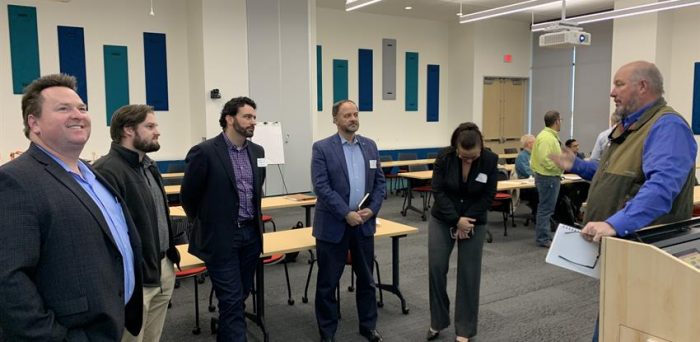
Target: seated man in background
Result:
[522, 170]
[603, 140]
[574, 146]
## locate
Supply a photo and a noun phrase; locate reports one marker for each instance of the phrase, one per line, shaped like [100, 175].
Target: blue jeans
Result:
[547, 191]
[232, 279]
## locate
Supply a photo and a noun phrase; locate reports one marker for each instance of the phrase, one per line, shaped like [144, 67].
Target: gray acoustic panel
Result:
[388, 69]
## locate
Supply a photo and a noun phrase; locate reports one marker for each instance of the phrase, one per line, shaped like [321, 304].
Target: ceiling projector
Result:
[564, 35]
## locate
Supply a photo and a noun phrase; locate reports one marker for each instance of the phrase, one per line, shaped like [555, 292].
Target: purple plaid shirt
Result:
[244, 178]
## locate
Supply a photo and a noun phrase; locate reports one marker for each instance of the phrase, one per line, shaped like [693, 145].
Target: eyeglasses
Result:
[581, 264]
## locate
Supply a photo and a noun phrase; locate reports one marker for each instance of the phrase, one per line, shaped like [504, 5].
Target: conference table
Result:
[504, 185]
[172, 175]
[412, 162]
[295, 240]
[269, 203]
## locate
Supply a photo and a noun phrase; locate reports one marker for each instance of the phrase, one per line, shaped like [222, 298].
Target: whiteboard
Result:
[268, 134]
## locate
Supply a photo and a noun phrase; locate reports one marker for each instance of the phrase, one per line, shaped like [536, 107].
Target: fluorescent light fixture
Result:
[408, 8]
[355, 4]
[621, 13]
[505, 10]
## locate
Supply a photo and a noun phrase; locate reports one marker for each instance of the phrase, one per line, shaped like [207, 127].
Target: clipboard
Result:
[571, 251]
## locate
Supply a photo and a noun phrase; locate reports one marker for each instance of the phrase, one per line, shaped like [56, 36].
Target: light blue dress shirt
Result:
[112, 213]
[667, 156]
[356, 170]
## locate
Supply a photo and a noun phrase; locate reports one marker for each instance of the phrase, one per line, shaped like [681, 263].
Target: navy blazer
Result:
[210, 197]
[61, 274]
[329, 175]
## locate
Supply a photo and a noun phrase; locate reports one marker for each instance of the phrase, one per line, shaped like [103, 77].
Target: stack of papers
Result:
[571, 251]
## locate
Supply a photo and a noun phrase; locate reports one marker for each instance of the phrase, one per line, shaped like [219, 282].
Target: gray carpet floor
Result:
[522, 297]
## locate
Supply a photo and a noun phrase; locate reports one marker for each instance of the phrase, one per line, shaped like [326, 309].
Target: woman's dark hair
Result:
[467, 136]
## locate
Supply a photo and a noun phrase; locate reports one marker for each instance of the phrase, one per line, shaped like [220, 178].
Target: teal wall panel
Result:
[24, 46]
[411, 81]
[319, 78]
[340, 80]
[116, 78]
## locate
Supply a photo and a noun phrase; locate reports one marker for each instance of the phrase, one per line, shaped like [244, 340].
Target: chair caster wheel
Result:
[405, 311]
[290, 301]
[196, 331]
[351, 289]
[212, 308]
[380, 304]
[304, 300]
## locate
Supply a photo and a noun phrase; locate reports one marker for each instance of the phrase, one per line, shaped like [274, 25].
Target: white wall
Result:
[341, 34]
[104, 23]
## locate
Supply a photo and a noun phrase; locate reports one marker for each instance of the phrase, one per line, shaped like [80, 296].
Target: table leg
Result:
[408, 203]
[258, 317]
[394, 286]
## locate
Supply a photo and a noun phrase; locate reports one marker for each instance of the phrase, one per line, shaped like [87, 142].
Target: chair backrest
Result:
[431, 155]
[502, 175]
[385, 158]
[413, 168]
[407, 156]
[510, 150]
[176, 167]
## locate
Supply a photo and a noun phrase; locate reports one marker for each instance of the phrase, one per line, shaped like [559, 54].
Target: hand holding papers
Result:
[571, 251]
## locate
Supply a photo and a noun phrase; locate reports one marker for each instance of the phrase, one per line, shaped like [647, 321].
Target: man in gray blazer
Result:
[344, 168]
[70, 256]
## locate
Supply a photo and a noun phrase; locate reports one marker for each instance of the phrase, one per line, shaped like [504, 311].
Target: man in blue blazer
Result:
[70, 262]
[221, 194]
[349, 184]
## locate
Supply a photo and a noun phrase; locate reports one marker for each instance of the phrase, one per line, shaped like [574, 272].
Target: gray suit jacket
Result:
[61, 274]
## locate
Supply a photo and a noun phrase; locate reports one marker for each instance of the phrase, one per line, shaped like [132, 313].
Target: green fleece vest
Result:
[619, 175]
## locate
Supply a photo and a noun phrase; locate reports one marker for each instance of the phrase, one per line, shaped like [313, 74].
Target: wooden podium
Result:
[647, 295]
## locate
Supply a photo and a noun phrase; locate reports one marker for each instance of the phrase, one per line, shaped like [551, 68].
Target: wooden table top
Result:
[272, 202]
[172, 175]
[510, 184]
[412, 162]
[295, 240]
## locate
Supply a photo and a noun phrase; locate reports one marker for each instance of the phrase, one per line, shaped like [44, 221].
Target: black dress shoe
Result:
[372, 335]
[431, 335]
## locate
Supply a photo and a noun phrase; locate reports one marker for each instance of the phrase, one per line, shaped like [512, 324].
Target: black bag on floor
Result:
[292, 257]
[564, 213]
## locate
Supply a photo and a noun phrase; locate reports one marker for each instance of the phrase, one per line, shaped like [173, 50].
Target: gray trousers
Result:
[440, 245]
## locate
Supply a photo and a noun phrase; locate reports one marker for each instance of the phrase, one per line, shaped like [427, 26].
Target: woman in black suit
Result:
[464, 184]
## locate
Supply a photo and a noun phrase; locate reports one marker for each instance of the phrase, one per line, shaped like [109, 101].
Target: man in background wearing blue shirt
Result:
[649, 168]
[349, 184]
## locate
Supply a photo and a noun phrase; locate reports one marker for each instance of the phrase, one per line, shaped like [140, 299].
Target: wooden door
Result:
[504, 103]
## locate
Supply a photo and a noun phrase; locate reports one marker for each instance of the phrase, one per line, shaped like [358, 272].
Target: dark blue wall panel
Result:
[340, 80]
[696, 100]
[156, 68]
[24, 46]
[116, 78]
[71, 56]
[433, 96]
[319, 79]
[411, 81]
[364, 75]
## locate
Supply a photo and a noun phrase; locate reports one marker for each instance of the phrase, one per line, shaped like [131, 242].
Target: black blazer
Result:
[210, 197]
[61, 274]
[450, 202]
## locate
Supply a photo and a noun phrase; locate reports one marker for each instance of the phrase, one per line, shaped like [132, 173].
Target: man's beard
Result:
[244, 132]
[145, 146]
[626, 110]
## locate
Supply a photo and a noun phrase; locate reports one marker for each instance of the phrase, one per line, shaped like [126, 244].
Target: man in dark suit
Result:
[344, 168]
[221, 193]
[70, 258]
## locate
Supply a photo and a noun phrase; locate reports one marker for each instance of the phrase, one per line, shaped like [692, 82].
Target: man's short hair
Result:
[569, 142]
[232, 106]
[550, 118]
[336, 106]
[127, 116]
[32, 99]
[650, 73]
[525, 139]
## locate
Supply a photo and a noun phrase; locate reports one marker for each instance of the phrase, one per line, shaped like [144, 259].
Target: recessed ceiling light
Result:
[408, 8]
[459, 14]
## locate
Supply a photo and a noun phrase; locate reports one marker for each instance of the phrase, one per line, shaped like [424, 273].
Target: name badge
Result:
[482, 178]
[262, 162]
[373, 164]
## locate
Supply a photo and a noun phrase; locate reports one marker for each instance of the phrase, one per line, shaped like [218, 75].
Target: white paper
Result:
[373, 164]
[482, 178]
[571, 251]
